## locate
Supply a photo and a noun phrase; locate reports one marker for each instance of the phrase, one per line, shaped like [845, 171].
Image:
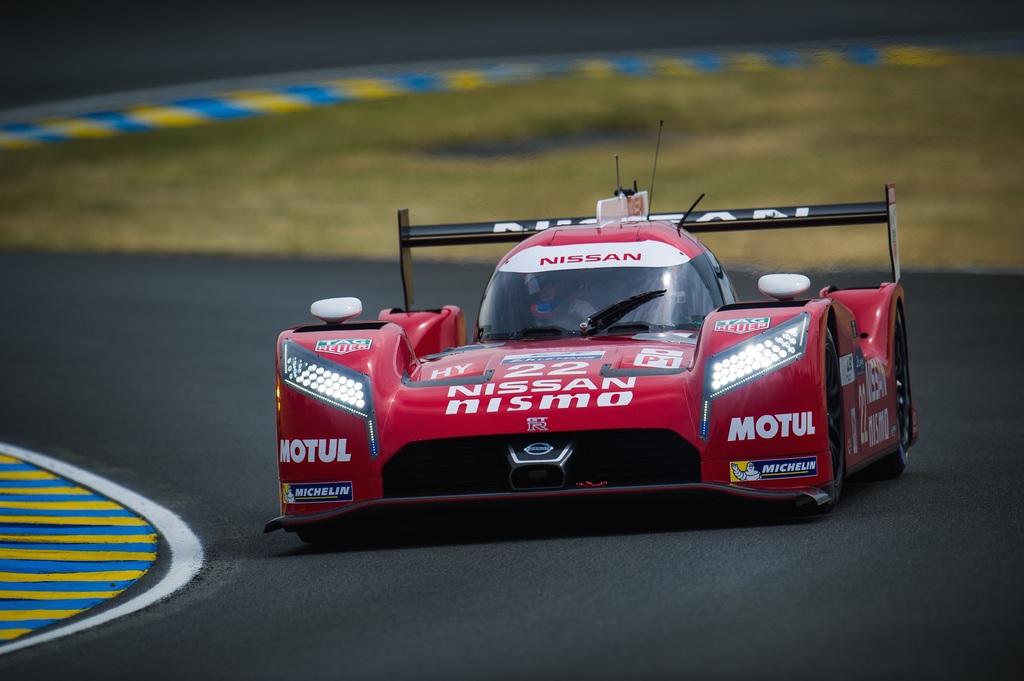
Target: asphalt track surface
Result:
[157, 373]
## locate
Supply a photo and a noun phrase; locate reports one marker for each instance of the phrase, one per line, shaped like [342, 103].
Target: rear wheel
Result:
[893, 465]
[834, 404]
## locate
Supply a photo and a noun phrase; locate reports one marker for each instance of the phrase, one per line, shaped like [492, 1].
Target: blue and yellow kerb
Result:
[63, 549]
[243, 104]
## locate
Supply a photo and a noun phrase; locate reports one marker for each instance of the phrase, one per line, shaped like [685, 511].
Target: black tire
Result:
[893, 465]
[834, 404]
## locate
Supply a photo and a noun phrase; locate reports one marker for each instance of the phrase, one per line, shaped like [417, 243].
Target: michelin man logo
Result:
[769, 469]
[748, 473]
[289, 496]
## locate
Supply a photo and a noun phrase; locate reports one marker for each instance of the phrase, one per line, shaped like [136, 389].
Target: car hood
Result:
[567, 384]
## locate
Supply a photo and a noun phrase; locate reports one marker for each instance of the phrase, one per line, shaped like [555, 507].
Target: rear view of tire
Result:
[892, 466]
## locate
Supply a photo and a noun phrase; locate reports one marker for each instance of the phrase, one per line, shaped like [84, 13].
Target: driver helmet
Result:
[553, 292]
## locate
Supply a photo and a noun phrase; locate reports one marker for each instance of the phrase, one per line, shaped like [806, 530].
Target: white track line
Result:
[186, 550]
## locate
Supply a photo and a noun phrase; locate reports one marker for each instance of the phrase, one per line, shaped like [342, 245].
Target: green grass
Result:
[328, 181]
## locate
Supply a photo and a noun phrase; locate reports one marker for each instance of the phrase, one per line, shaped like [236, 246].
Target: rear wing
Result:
[829, 215]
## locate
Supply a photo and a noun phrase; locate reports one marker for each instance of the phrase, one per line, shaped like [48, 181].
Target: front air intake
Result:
[480, 465]
[537, 476]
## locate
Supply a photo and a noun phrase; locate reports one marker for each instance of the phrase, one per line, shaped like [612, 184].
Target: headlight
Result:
[758, 356]
[334, 384]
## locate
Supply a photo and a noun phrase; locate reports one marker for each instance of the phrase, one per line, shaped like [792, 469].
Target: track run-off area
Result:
[69, 542]
[118, 115]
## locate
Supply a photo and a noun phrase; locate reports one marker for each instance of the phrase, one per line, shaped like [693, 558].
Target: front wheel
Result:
[834, 404]
[892, 466]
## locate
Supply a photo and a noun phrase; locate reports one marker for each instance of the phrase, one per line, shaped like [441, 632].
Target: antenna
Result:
[657, 146]
[618, 182]
[683, 219]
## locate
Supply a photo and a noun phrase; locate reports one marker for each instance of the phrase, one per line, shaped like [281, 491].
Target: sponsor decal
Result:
[597, 255]
[846, 371]
[873, 429]
[853, 428]
[541, 225]
[589, 257]
[541, 393]
[538, 448]
[538, 225]
[858, 362]
[756, 214]
[343, 345]
[769, 426]
[853, 327]
[311, 451]
[743, 325]
[553, 356]
[451, 371]
[536, 423]
[303, 492]
[660, 358]
[894, 252]
[773, 469]
[878, 428]
[877, 385]
[537, 452]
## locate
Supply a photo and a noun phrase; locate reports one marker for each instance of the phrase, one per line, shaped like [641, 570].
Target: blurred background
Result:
[260, 128]
[64, 50]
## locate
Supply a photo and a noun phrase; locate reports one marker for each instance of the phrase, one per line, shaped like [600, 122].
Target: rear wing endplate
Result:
[829, 215]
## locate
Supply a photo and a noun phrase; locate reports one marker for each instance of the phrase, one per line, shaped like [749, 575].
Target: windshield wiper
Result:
[602, 319]
[544, 332]
[630, 327]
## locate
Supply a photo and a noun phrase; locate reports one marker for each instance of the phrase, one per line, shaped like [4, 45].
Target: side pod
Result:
[430, 331]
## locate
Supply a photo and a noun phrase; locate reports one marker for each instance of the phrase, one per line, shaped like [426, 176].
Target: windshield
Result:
[534, 304]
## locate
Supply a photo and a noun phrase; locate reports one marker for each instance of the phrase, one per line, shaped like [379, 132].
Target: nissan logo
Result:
[538, 449]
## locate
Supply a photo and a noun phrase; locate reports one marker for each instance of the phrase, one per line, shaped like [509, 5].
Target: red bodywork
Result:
[767, 439]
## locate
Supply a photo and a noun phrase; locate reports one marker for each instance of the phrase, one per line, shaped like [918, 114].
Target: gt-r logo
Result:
[744, 325]
[536, 423]
[769, 426]
[310, 451]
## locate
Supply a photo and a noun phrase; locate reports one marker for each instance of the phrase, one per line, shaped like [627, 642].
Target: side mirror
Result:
[336, 310]
[783, 286]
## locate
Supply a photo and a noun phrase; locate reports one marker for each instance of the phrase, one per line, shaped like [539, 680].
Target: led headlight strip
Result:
[744, 362]
[334, 384]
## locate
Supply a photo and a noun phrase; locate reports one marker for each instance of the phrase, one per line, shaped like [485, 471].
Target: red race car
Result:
[610, 356]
